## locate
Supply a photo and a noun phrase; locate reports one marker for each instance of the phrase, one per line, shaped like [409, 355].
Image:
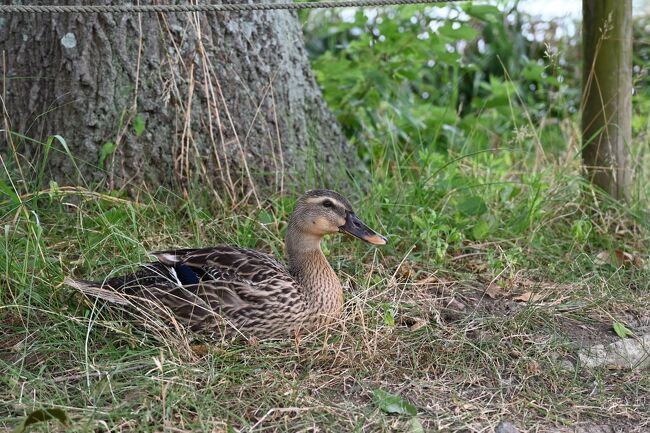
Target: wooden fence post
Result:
[607, 94]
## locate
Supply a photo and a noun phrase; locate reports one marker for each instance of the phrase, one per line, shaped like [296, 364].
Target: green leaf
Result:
[108, 148]
[138, 124]
[480, 230]
[7, 190]
[42, 415]
[389, 317]
[533, 71]
[472, 206]
[621, 330]
[481, 11]
[455, 30]
[390, 403]
[265, 217]
[415, 426]
[497, 100]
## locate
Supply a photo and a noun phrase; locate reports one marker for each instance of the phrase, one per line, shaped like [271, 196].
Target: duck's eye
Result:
[328, 204]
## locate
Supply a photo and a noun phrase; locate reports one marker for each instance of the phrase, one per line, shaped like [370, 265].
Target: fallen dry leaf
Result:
[428, 280]
[627, 259]
[495, 291]
[603, 258]
[457, 305]
[200, 349]
[529, 297]
[618, 258]
[419, 323]
[405, 271]
[533, 368]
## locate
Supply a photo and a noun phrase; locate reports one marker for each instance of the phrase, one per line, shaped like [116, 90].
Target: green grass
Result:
[483, 212]
[418, 323]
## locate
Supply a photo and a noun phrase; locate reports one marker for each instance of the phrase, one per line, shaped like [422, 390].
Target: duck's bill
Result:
[355, 227]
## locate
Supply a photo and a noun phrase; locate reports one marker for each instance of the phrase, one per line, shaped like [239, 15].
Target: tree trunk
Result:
[607, 94]
[224, 100]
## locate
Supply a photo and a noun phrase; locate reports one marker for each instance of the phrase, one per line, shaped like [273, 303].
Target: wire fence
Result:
[234, 7]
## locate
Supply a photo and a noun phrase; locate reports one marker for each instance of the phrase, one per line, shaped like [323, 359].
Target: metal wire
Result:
[235, 7]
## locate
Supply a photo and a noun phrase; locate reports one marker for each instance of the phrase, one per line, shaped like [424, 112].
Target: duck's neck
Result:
[310, 268]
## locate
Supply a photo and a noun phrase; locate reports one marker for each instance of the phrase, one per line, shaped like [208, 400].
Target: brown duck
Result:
[227, 290]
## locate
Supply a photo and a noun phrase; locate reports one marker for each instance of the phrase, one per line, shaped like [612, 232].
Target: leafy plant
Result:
[42, 415]
[621, 330]
[391, 403]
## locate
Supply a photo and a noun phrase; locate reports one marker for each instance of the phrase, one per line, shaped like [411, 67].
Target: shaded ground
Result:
[466, 351]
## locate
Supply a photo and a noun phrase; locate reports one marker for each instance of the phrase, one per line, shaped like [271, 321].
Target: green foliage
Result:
[439, 78]
[42, 415]
[467, 116]
[138, 124]
[641, 98]
[391, 403]
[107, 149]
[621, 330]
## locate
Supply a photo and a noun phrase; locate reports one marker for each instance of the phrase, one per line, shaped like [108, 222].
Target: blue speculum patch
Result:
[186, 274]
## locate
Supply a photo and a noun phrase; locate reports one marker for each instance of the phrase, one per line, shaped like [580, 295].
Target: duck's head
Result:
[320, 212]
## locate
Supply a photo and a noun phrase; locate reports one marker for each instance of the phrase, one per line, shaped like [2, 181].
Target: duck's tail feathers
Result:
[97, 290]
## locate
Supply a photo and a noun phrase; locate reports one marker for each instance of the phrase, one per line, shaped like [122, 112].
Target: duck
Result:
[228, 291]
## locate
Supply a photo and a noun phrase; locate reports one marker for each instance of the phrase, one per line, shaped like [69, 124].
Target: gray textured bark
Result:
[227, 99]
[607, 94]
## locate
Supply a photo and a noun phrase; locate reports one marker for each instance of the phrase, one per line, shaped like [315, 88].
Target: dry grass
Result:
[471, 332]
[466, 357]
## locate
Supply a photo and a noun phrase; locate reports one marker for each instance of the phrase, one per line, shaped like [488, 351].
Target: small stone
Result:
[69, 40]
[506, 427]
[625, 353]
[566, 365]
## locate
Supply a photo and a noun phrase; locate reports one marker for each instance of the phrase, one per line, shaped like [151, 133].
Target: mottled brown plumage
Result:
[227, 290]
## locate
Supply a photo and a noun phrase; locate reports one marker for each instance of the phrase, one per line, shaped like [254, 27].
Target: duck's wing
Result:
[201, 288]
[249, 289]
[230, 276]
[247, 264]
[153, 290]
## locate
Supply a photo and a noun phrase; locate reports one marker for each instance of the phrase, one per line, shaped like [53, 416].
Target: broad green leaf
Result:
[480, 230]
[497, 100]
[391, 403]
[138, 124]
[415, 426]
[472, 206]
[389, 317]
[42, 415]
[481, 11]
[108, 148]
[621, 330]
[455, 30]
[533, 71]
[7, 190]
[265, 217]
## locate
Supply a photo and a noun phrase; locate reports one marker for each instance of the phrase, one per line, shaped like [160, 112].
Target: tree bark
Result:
[223, 100]
[607, 94]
